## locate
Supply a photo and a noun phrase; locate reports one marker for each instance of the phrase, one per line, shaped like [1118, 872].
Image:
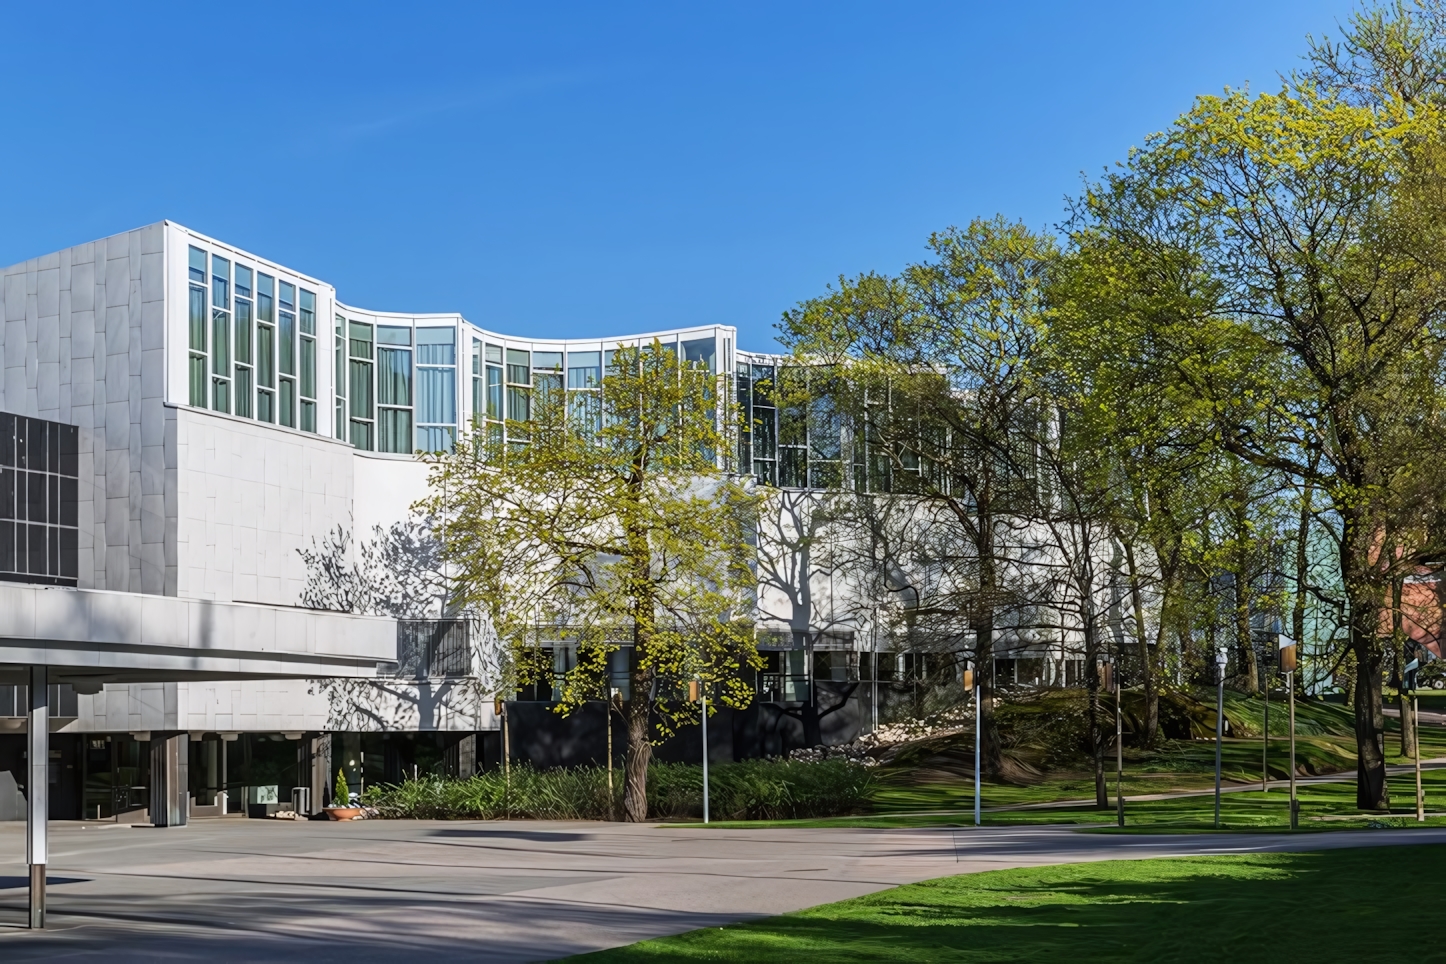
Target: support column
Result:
[170, 779]
[321, 771]
[467, 755]
[37, 790]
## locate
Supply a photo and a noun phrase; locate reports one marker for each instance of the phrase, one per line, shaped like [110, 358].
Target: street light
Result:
[1110, 683]
[1221, 658]
[699, 695]
[971, 683]
[1287, 663]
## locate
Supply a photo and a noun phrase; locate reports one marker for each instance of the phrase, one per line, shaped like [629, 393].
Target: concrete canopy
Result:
[88, 637]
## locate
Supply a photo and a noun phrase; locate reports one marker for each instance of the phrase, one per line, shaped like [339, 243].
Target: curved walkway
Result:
[238, 890]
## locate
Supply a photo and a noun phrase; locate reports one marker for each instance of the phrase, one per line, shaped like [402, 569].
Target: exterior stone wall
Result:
[84, 345]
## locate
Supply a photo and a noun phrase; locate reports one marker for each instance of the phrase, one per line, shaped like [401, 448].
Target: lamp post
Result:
[697, 694]
[1287, 663]
[1408, 685]
[971, 684]
[1221, 658]
[1111, 683]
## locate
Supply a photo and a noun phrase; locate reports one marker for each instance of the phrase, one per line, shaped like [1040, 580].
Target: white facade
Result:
[222, 430]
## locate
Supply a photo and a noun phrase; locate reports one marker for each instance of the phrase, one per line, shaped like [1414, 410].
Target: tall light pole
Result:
[1287, 663]
[971, 683]
[1221, 658]
[697, 694]
[1112, 684]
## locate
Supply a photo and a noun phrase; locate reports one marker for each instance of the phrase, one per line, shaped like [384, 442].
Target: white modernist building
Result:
[186, 428]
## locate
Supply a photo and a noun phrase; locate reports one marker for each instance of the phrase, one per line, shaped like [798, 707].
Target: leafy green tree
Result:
[612, 531]
[1319, 225]
[937, 387]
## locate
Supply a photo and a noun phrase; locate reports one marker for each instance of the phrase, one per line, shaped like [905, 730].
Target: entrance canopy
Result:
[88, 637]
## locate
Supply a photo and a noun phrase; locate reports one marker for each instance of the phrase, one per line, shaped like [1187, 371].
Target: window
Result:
[220, 282]
[359, 381]
[39, 491]
[197, 265]
[519, 367]
[394, 389]
[308, 361]
[584, 369]
[198, 339]
[265, 348]
[763, 423]
[220, 334]
[519, 375]
[244, 381]
[243, 282]
[286, 345]
[700, 352]
[436, 389]
[339, 378]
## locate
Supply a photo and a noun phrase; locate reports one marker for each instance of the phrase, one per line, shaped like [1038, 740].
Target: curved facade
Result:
[254, 339]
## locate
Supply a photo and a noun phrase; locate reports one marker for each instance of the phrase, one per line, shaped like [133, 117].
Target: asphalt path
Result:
[239, 890]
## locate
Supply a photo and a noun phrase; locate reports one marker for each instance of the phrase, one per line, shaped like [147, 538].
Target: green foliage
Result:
[611, 524]
[751, 790]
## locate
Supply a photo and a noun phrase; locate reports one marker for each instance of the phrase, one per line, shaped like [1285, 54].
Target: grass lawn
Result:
[1240, 810]
[1341, 905]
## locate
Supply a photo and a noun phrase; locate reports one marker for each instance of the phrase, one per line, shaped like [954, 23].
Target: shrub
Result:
[751, 790]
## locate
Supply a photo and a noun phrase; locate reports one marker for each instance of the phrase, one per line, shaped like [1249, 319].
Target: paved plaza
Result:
[252, 890]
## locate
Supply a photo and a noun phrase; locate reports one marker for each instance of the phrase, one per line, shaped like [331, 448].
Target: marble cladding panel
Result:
[250, 499]
[84, 334]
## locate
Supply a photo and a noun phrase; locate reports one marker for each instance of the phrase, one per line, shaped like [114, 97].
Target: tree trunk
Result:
[1371, 790]
[1147, 668]
[640, 752]
[1247, 666]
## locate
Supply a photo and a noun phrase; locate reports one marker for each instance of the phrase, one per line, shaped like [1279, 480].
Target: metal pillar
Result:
[978, 733]
[170, 779]
[705, 755]
[1220, 662]
[37, 791]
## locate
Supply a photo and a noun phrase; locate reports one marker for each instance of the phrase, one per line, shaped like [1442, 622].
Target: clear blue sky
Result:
[587, 169]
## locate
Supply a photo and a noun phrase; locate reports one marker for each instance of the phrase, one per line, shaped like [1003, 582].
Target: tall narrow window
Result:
[359, 385]
[197, 265]
[307, 309]
[220, 333]
[394, 389]
[519, 377]
[198, 339]
[339, 379]
[245, 382]
[265, 347]
[286, 350]
[436, 389]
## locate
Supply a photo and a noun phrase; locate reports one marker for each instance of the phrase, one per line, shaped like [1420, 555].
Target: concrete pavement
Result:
[239, 890]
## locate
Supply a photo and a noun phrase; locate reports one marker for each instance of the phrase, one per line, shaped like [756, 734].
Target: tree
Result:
[936, 391]
[608, 531]
[1320, 223]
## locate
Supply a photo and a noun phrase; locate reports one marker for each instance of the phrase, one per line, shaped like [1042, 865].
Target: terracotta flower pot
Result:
[343, 813]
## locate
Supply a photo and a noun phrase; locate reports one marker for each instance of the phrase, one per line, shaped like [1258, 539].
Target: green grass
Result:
[1342, 905]
[1242, 810]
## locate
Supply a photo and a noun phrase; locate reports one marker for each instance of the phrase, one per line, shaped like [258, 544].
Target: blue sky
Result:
[588, 169]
